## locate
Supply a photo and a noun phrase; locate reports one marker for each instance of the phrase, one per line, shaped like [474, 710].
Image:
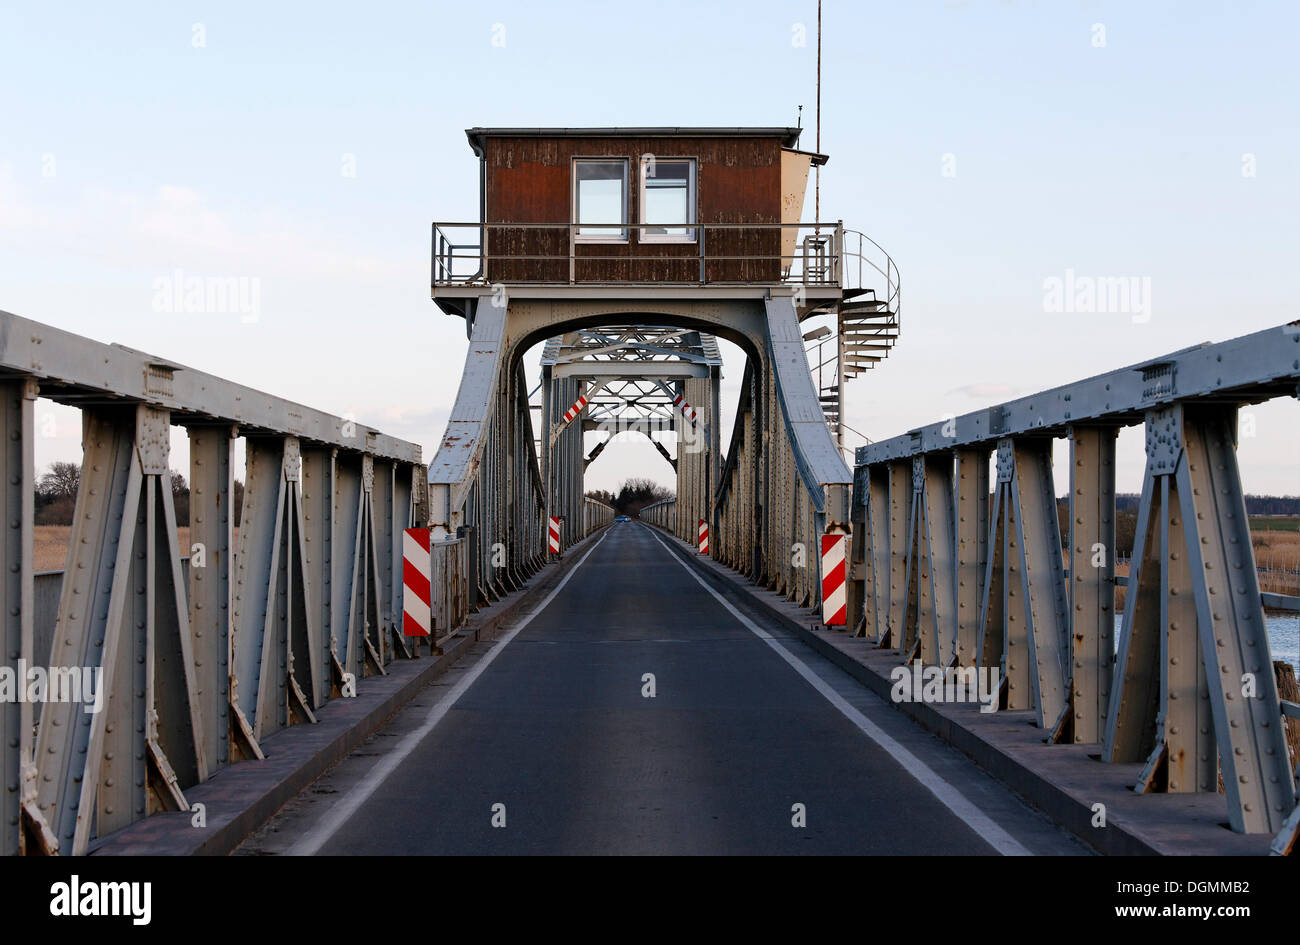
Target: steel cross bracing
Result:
[199, 651]
[943, 573]
[768, 501]
[632, 379]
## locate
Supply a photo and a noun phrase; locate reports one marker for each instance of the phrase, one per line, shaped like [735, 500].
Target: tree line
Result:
[56, 495]
[632, 496]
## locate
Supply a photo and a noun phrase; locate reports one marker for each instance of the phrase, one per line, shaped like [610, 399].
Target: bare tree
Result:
[61, 481]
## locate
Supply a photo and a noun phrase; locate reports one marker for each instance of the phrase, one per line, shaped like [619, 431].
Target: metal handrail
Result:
[843, 257]
[825, 267]
[893, 284]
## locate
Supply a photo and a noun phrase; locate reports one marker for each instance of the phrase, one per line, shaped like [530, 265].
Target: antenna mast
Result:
[817, 181]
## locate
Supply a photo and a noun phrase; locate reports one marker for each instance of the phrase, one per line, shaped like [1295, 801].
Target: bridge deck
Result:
[746, 722]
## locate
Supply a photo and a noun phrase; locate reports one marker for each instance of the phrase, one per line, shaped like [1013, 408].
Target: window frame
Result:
[578, 236]
[692, 202]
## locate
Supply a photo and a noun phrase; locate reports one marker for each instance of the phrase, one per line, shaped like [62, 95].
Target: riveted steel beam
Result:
[1092, 581]
[1195, 623]
[1248, 369]
[123, 617]
[17, 488]
[71, 366]
[972, 498]
[210, 576]
[275, 644]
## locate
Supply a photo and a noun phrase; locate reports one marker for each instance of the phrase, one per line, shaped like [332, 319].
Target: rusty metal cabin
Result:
[638, 206]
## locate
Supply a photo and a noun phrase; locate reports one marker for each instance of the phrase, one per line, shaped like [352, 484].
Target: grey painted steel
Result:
[122, 613]
[1191, 690]
[1042, 574]
[1091, 554]
[1206, 648]
[941, 544]
[69, 367]
[131, 606]
[1248, 369]
[17, 489]
[211, 536]
[972, 499]
[815, 454]
[274, 641]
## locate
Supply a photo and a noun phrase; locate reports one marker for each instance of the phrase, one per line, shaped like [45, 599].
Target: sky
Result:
[991, 147]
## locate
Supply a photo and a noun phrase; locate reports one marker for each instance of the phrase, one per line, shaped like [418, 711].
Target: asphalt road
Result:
[550, 744]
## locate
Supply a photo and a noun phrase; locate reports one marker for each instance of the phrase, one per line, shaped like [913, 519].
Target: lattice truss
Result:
[630, 379]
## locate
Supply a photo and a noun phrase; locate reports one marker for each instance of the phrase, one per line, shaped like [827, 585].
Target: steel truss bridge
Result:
[254, 628]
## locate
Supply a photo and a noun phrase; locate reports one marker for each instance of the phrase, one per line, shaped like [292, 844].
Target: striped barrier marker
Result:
[687, 410]
[417, 599]
[575, 409]
[553, 531]
[833, 591]
[704, 537]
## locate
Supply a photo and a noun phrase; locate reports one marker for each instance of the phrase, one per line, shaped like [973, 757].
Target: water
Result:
[1283, 636]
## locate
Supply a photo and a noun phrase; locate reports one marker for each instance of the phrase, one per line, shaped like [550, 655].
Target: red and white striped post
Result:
[687, 410]
[575, 409]
[553, 534]
[833, 574]
[704, 537]
[417, 588]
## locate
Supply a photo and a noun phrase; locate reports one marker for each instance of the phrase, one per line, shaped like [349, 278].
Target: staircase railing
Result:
[865, 264]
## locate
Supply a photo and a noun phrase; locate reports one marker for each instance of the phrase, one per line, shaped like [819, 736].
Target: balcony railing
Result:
[806, 254]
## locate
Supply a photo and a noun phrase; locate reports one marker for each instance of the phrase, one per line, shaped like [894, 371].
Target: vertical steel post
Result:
[17, 488]
[972, 548]
[211, 541]
[1092, 579]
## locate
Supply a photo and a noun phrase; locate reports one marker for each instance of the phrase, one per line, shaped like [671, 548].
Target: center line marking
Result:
[948, 795]
[310, 843]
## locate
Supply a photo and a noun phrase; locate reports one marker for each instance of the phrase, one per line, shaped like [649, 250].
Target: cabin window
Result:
[600, 199]
[667, 200]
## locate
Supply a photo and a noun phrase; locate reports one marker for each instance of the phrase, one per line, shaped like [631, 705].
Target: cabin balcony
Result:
[818, 262]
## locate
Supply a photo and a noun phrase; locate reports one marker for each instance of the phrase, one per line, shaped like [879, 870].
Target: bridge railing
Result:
[450, 585]
[955, 570]
[168, 669]
[662, 513]
[808, 254]
[595, 514]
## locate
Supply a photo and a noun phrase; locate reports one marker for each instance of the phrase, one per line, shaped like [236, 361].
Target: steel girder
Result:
[784, 483]
[1091, 550]
[17, 489]
[972, 539]
[1193, 671]
[484, 481]
[122, 614]
[1191, 693]
[637, 375]
[157, 641]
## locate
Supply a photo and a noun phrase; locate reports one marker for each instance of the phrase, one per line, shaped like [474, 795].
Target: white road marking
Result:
[948, 795]
[311, 842]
